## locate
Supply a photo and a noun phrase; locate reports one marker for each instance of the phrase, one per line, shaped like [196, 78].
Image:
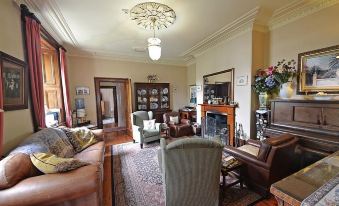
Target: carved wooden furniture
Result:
[295, 188]
[227, 109]
[262, 121]
[314, 122]
[153, 97]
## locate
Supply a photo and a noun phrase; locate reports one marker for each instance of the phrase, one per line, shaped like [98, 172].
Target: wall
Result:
[17, 124]
[316, 31]
[83, 70]
[234, 53]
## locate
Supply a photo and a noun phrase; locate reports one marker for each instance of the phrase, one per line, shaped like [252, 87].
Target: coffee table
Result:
[231, 166]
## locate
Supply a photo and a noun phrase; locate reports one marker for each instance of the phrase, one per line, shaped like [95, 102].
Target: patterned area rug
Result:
[137, 179]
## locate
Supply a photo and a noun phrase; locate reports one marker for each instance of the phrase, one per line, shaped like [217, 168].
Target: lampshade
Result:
[154, 48]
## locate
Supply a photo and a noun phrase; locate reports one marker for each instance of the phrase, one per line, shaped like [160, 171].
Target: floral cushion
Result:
[50, 163]
[80, 137]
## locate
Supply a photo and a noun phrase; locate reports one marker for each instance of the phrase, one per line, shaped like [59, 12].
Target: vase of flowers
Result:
[268, 81]
[286, 71]
[286, 90]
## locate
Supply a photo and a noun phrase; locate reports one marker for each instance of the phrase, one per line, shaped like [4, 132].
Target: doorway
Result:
[113, 101]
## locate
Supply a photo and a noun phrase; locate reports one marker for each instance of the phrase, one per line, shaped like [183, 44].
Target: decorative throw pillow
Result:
[149, 124]
[174, 119]
[49, 163]
[80, 137]
[15, 168]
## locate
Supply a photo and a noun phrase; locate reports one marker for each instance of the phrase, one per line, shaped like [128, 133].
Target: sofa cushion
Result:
[80, 138]
[93, 154]
[50, 163]
[149, 124]
[250, 149]
[49, 140]
[15, 168]
[151, 133]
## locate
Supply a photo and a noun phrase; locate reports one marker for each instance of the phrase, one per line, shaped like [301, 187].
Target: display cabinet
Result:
[153, 97]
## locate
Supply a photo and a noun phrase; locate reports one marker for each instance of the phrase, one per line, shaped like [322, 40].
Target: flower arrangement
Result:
[269, 80]
[152, 78]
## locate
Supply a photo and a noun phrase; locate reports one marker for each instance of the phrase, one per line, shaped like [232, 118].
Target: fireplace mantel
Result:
[229, 110]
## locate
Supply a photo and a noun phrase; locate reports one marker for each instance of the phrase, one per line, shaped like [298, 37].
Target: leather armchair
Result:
[191, 171]
[183, 128]
[266, 162]
[140, 134]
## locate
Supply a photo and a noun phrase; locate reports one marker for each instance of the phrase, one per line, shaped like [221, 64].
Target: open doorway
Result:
[113, 99]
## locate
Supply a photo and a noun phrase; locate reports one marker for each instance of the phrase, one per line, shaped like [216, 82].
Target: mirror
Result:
[218, 87]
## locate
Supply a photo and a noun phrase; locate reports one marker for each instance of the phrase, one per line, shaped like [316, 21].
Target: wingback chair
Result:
[140, 134]
[190, 171]
[183, 128]
[266, 162]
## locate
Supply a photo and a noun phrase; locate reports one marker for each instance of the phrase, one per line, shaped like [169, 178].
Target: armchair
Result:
[266, 162]
[140, 134]
[190, 171]
[183, 128]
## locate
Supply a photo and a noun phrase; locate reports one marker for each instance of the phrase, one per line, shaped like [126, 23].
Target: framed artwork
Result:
[319, 71]
[193, 93]
[242, 80]
[14, 82]
[82, 90]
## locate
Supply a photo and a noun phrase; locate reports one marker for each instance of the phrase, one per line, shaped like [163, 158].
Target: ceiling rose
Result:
[152, 15]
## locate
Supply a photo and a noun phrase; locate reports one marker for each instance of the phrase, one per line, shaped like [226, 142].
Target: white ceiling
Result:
[101, 27]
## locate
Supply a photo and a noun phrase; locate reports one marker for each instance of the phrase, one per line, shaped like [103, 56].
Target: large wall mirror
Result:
[218, 87]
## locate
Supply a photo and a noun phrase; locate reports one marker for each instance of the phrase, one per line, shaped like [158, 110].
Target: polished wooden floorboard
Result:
[113, 139]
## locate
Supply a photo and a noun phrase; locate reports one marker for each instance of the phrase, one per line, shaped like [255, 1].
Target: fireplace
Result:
[225, 115]
[218, 122]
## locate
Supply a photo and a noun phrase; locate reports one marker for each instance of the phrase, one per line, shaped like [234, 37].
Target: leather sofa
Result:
[266, 162]
[183, 128]
[79, 187]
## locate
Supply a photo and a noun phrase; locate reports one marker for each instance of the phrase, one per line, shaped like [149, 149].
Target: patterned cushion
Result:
[49, 140]
[80, 137]
[149, 124]
[49, 163]
[250, 149]
[174, 119]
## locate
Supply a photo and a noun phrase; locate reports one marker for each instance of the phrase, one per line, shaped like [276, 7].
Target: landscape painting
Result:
[319, 71]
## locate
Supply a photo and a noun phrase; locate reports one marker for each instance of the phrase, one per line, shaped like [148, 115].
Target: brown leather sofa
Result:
[79, 187]
[266, 162]
[183, 128]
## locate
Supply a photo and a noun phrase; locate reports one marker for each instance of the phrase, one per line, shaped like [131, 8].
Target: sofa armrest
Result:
[245, 157]
[99, 134]
[185, 121]
[53, 188]
[253, 142]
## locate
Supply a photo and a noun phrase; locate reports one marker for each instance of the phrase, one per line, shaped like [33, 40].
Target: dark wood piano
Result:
[315, 122]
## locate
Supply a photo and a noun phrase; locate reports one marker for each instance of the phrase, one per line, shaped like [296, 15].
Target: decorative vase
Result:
[263, 100]
[286, 90]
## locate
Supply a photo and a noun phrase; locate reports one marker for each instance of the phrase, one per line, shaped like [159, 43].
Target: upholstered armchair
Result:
[179, 129]
[190, 171]
[140, 134]
[266, 162]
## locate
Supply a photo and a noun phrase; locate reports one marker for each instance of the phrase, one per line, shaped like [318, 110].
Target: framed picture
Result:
[82, 90]
[14, 82]
[242, 80]
[319, 71]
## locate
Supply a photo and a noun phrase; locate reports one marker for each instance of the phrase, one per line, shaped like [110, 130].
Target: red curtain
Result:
[65, 87]
[35, 70]
[1, 115]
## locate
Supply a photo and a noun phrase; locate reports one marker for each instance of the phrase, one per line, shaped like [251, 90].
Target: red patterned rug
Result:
[137, 179]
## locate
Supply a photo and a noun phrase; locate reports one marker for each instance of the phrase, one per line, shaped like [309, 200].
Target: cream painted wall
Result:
[235, 53]
[83, 70]
[17, 124]
[316, 31]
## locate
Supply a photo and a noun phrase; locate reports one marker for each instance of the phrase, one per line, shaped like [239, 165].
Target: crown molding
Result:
[233, 29]
[98, 54]
[49, 14]
[296, 10]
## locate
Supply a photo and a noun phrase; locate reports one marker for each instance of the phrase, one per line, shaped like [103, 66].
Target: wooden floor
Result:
[112, 139]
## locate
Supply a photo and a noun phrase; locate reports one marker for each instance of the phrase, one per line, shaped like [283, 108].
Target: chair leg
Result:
[141, 145]
[133, 140]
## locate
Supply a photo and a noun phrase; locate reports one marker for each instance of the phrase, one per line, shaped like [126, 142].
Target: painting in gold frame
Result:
[319, 71]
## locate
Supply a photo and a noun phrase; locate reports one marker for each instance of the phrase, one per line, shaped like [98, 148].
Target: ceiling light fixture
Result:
[151, 15]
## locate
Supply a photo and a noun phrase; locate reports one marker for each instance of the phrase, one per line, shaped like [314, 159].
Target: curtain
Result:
[65, 87]
[1, 115]
[32, 29]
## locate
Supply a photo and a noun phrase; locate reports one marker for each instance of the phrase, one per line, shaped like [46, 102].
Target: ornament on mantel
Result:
[152, 78]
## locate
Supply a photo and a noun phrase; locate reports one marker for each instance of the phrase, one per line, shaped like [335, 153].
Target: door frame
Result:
[127, 84]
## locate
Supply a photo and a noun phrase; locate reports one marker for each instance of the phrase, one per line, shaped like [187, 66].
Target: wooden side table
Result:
[166, 130]
[229, 166]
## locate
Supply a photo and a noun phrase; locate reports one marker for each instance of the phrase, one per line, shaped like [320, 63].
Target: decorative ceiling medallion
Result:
[152, 15]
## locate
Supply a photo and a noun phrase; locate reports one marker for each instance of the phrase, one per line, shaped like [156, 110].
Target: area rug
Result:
[137, 179]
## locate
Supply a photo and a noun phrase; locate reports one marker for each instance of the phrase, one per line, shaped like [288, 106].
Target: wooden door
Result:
[51, 77]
